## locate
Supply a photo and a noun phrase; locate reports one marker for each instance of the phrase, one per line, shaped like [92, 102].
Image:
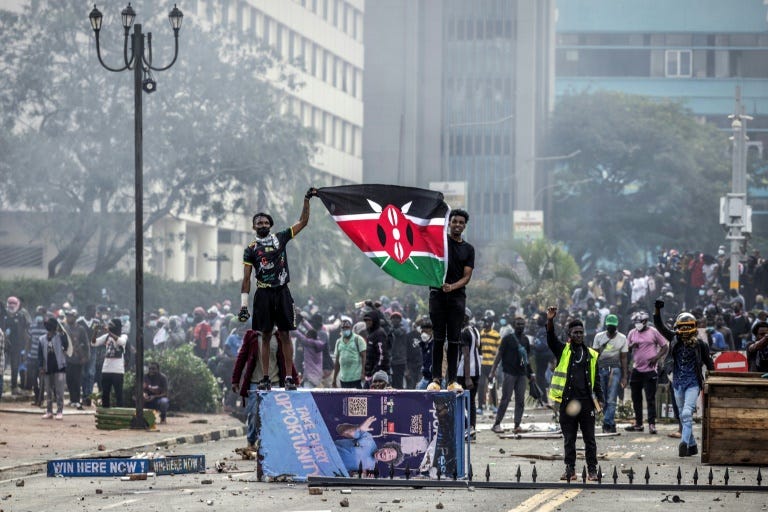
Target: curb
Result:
[212, 435]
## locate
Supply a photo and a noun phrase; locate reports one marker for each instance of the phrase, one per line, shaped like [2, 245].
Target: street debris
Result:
[344, 502]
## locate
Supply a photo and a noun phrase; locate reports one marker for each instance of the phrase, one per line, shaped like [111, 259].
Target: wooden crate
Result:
[735, 419]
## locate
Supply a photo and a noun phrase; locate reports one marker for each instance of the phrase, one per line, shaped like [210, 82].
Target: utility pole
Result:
[735, 214]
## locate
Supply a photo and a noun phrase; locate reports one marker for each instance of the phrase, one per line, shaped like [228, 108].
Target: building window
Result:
[21, 256]
[678, 63]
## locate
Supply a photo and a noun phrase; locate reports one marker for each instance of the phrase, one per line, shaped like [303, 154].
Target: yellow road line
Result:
[535, 500]
[559, 500]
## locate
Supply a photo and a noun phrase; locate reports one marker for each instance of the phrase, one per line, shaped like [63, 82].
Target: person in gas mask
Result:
[612, 367]
[648, 348]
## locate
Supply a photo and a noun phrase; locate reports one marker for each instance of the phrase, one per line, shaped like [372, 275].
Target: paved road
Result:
[237, 488]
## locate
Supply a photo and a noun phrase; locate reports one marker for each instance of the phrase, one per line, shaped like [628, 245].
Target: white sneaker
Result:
[47, 416]
[59, 416]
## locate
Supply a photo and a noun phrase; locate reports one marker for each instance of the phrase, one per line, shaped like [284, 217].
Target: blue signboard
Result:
[337, 432]
[178, 464]
[97, 467]
[173, 465]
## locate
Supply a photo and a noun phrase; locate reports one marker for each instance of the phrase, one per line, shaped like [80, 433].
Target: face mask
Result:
[262, 232]
[425, 337]
[502, 322]
[347, 333]
[639, 326]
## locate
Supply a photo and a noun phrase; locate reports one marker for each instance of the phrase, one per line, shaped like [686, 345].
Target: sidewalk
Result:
[27, 441]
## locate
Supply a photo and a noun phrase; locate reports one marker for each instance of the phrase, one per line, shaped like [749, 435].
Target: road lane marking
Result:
[628, 455]
[119, 504]
[535, 500]
[559, 500]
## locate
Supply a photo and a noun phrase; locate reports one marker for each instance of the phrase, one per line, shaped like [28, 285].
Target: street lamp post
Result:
[141, 65]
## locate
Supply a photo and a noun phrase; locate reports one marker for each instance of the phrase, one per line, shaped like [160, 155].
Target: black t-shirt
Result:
[268, 258]
[578, 373]
[460, 255]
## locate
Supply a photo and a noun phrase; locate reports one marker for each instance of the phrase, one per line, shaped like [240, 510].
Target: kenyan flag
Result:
[401, 229]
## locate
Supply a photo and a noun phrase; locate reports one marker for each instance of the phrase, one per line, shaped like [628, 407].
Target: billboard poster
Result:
[339, 432]
[527, 224]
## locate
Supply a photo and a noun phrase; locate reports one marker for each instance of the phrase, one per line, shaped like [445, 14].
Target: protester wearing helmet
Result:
[648, 348]
[612, 367]
[689, 353]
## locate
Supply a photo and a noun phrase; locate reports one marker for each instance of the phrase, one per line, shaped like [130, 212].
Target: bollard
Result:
[711, 476]
[679, 475]
[391, 471]
[375, 471]
[599, 475]
[631, 475]
[696, 476]
[759, 477]
[518, 474]
[647, 475]
[534, 474]
[408, 472]
[615, 475]
[487, 472]
[470, 474]
[725, 477]
[439, 473]
[360, 470]
[455, 475]
[583, 474]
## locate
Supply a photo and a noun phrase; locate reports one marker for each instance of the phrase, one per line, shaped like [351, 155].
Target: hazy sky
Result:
[11, 5]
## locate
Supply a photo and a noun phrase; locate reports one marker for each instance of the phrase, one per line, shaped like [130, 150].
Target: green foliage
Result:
[547, 274]
[648, 176]
[82, 290]
[191, 385]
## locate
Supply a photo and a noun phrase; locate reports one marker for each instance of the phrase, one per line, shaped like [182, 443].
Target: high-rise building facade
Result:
[696, 51]
[460, 91]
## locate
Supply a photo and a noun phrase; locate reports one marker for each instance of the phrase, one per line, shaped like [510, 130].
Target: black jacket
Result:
[377, 353]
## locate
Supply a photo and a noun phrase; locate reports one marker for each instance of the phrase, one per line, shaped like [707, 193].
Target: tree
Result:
[648, 176]
[548, 272]
[213, 132]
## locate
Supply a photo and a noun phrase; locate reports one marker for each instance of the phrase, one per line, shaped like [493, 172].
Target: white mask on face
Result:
[639, 326]
[347, 333]
[425, 337]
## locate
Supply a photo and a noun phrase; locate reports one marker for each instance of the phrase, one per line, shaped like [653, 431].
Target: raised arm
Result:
[304, 218]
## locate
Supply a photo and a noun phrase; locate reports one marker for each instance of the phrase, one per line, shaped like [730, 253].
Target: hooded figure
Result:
[377, 355]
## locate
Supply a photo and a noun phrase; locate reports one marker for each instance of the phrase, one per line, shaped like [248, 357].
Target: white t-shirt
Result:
[114, 362]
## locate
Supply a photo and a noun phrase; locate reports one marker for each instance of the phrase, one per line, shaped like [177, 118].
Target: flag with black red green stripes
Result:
[400, 229]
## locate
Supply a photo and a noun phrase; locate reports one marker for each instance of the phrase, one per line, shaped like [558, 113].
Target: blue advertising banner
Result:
[178, 464]
[173, 465]
[97, 467]
[337, 432]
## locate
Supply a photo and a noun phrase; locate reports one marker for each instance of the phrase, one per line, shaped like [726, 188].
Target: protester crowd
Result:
[508, 358]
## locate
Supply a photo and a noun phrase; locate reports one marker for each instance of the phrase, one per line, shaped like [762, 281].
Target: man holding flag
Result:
[447, 303]
[272, 302]
[403, 231]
